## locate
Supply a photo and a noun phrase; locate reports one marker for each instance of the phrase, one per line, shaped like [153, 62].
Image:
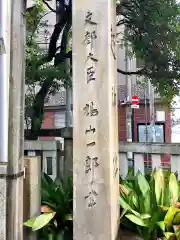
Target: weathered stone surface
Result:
[3, 197]
[95, 133]
[32, 193]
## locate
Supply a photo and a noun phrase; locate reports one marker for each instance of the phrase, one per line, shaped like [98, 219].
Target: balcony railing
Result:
[155, 154]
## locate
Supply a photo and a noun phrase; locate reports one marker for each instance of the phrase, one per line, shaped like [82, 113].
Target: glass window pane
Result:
[49, 165]
[145, 133]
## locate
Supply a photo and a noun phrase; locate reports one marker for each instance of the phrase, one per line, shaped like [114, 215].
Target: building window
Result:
[144, 132]
[49, 165]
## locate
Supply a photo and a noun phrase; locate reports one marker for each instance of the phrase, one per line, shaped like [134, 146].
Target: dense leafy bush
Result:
[55, 221]
[148, 206]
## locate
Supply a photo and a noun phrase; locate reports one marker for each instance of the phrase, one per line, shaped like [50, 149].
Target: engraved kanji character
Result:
[90, 129]
[90, 110]
[88, 164]
[89, 36]
[88, 18]
[91, 197]
[91, 56]
[91, 144]
[95, 161]
[90, 74]
[93, 111]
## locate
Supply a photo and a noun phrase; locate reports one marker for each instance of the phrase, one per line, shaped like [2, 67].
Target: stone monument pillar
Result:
[95, 133]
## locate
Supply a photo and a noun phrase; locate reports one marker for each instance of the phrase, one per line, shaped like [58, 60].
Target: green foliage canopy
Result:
[152, 30]
[42, 77]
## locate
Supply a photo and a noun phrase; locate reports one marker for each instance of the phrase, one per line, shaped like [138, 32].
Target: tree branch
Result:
[121, 22]
[63, 25]
[55, 35]
[120, 7]
[35, 27]
[60, 57]
[138, 72]
[47, 4]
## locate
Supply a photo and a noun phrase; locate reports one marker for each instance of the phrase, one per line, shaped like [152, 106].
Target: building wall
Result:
[139, 117]
[59, 122]
[48, 123]
[51, 121]
[122, 123]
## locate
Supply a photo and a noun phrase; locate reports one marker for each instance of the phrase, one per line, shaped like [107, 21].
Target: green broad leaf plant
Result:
[149, 205]
[55, 220]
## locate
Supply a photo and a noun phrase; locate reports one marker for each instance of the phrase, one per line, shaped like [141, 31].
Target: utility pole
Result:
[129, 112]
[151, 112]
[4, 85]
[68, 143]
[16, 127]
[146, 120]
[68, 112]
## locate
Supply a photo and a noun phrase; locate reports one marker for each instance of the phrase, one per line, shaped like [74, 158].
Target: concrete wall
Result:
[155, 152]
[32, 193]
[50, 153]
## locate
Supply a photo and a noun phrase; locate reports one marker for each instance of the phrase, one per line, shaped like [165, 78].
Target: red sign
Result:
[135, 100]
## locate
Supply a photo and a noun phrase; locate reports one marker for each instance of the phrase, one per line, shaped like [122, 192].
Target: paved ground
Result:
[124, 235]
